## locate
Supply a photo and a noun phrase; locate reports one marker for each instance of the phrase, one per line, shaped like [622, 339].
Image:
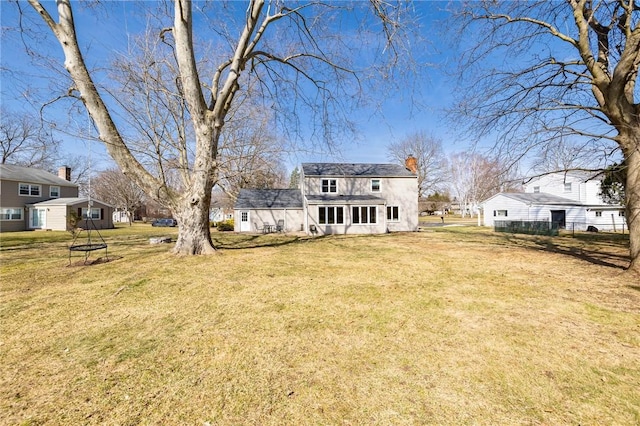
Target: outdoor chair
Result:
[280, 226]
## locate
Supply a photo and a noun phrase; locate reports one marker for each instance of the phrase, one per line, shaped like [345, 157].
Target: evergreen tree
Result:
[294, 180]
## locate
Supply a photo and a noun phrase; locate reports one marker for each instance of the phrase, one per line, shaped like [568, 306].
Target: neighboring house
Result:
[572, 200]
[35, 199]
[336, 198]
[220, 214]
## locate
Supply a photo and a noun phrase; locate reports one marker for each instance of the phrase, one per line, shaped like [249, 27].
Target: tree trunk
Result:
[192, 214]
[632, 195]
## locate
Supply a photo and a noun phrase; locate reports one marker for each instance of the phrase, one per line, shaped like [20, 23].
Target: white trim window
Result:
[95, 213]
[375, 185]
[500, 213]
[54, 191]
[29, 189]
[364, 215]
[393, 213]
[598, 213]
[329, 185]
[621, 213]
[11, 213]
[330, 215]
[536, 189]
[567, 187]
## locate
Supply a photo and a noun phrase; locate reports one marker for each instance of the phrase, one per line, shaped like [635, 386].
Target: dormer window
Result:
[375, 185]
[329, 185]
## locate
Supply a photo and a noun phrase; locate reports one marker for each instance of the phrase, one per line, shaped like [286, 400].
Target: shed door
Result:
[245, 223]
[559, 217]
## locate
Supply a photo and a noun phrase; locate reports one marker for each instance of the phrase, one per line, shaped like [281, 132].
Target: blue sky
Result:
[415, 108]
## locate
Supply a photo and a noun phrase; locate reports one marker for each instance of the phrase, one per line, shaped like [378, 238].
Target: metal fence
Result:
[620, 227]
[532, 227]
[541, 227]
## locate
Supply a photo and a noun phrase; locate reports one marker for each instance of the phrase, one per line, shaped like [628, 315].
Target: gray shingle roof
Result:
[355, 169]
[540, 198]
[269, 199]
[30, 175]
[344, 199]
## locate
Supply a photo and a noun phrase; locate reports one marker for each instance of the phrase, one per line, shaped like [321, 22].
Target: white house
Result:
[336, 198]
[571, 199]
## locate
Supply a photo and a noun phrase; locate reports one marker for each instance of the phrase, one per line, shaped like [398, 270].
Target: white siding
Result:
[554, 184]
[293, 219]
[516, 210]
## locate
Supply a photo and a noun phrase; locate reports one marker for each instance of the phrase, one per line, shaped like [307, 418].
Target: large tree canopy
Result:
[196, 67]
[544, 72]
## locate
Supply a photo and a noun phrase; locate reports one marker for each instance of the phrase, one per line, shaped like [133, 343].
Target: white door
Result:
[37, 218]
[245, 223]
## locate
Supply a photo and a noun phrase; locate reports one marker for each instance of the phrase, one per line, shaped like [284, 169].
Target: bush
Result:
[227, 225]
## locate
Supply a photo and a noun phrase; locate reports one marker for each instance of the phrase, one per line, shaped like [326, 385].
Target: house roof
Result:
[269, 199]
[31, 175]
[70, 201]
[344, 199]
[355, 169]
[538, 198]
[580, 175]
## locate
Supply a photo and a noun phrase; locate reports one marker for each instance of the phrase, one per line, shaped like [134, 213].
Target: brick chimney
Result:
[64, 172]
[411, 163]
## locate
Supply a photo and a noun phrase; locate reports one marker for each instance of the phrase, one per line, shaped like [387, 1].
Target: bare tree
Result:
[114, 187]
[548, 71]
[432, 165]
[278, 51]
[25, 141]
[473, 178]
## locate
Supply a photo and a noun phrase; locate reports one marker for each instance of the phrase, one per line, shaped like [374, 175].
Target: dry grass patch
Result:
[450, 327]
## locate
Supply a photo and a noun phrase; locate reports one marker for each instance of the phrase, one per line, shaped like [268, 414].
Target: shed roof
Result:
[31, 175]
[69, 201]
[269, 199]
[539, 198]
[355, 170]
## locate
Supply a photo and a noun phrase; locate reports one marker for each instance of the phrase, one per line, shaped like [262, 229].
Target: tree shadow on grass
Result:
[252, 241]
[603, 252]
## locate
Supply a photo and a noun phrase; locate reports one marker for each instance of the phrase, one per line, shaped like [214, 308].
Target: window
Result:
[363, 214]
[393, 213]
[536, 189]
[375, 185]
[567, 187]
[598, 214]
[11, 213]
[54, 191]
[95, 213]
[29, 189]
[244, 216]
[500, 213]
[329, 185]
[621, 213]
[330, 215]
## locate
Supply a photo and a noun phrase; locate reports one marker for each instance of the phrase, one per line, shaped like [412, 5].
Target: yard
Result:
[452, 325]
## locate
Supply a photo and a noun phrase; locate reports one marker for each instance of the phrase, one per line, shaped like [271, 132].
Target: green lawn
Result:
[450, 326]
